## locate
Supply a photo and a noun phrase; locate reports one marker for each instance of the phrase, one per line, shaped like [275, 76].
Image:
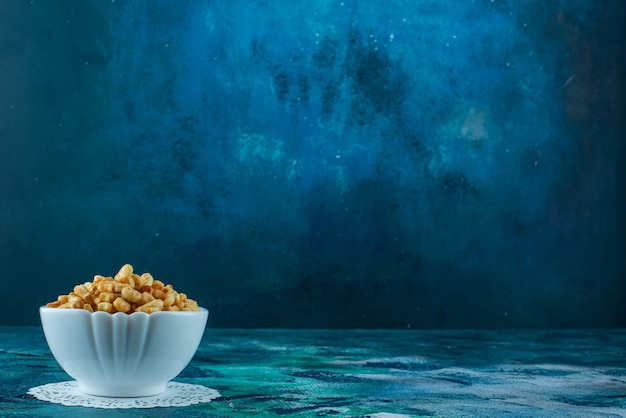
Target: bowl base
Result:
[113, 391]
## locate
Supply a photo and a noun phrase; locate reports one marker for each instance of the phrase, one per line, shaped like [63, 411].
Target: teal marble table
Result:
[550, 373]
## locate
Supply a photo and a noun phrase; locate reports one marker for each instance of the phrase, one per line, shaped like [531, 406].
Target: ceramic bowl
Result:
[121, 355]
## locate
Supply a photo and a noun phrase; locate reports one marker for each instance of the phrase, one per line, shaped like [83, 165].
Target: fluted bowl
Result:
[121, 355]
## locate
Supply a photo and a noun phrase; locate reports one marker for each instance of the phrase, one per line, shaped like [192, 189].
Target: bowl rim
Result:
[45, 308]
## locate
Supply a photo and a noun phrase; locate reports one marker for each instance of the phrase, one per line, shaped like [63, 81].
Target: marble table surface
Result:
[361, 373]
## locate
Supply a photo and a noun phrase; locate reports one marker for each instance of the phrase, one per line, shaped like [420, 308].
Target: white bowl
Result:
[121, 355]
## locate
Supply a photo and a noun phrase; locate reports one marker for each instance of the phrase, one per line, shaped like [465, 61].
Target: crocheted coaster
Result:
[176, 394]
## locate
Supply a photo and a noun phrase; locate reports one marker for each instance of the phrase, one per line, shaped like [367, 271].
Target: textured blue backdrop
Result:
[320, 163]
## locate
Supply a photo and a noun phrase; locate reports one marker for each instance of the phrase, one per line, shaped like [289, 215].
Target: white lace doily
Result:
[176, 394]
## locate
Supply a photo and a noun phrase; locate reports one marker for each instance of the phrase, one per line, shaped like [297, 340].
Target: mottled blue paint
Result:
[320, 164]
[364, 373]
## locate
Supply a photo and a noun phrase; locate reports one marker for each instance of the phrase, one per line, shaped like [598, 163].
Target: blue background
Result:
[404, 164]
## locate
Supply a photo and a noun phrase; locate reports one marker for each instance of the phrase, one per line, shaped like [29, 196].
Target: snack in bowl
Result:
[123, 346]
[127, 292]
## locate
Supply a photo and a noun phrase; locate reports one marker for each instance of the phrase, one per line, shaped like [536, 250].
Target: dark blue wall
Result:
[320, 163]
